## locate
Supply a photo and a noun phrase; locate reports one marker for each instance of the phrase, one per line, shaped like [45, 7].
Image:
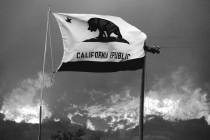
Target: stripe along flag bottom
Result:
[99, 43]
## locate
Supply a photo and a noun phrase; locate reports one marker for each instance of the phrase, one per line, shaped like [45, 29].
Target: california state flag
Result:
[99, 43]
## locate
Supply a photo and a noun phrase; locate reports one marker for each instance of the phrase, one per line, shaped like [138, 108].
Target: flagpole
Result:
[43, 80]
[141, 107]
[154, 50]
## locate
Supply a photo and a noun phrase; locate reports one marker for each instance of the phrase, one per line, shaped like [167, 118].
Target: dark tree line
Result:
[80, 134]
[69, 135]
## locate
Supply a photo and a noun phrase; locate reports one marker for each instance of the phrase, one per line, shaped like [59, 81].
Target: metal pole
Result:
[43, 71]
[141, 107]
[40, 122]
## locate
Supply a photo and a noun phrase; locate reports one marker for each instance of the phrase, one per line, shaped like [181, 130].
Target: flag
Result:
[99, 43]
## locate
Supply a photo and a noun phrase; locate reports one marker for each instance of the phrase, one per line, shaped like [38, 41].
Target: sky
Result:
[178, 77]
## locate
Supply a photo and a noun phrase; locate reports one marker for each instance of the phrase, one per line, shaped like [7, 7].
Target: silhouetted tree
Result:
[65, 136]
[80, 132]
[70, 135]
[57, 136]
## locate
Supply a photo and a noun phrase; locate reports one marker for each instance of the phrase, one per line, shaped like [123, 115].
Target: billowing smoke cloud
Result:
[90, 125]
[174, 97]
[74, 115]
[22, 104]
[121, 111]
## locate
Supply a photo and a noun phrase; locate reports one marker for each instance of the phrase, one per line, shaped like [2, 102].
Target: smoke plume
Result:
[22, 104]
[174, 97]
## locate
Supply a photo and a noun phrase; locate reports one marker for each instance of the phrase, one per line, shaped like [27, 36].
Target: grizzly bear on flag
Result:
[105, 27]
